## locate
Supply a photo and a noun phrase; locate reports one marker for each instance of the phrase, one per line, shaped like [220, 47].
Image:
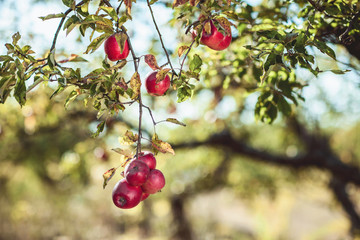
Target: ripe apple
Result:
[154, 183]
[156, 88]
[126, 196]
[144, 196]
[148, 158]
[215, 39]
[112, 49]
[136, 173]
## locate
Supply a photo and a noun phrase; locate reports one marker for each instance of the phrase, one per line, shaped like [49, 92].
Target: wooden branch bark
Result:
[315, 158]
[339, 189]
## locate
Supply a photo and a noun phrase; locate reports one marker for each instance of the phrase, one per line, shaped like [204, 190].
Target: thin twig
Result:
[343, 36]
[60, 25]
[160, 37]
[186, 54]
[117, 12]
[152, 117]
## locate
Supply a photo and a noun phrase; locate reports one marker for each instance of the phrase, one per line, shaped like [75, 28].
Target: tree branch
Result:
[315, 158]
[339, 189]
[61, 23]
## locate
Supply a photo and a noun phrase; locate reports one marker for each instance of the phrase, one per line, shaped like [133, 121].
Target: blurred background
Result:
[232, 177]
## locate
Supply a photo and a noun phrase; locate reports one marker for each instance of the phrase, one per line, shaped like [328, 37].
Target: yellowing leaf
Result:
[121, 83]
[194, 2]
[175, 121]
[128, 138]
[119, 65]
[160, 75]
[121, 38]
[126, 153]
[108, 175]
[179, 2]
[225, 24]
[181, 50]
[135, 84]
[207, 27]
[161, 146]
[151, 61]
[128, 4]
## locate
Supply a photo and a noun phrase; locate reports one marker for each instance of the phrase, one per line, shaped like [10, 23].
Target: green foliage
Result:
[263, 48]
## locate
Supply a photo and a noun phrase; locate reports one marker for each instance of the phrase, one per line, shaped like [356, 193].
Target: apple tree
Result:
[231, 48]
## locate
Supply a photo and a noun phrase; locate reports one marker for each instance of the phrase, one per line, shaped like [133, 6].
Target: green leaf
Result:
[284, 106]
[4, 58]
[175, 121]
[184, 93]
[57, 91]
[37, 81]
[97, 19]
[73, 94]
[96, 43]
[337, 71]
[300, 43]
[84, 9]
[270, 60]
[68, 3]
[111, 11]
[325, 48]
[51, 60]
[100, 127]
[51, 16]
[290, 37]
[195, 63]
[71, 23]
[20, 91]
[265, 108]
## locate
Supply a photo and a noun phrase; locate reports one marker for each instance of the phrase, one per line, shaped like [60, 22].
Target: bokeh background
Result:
[51, 169]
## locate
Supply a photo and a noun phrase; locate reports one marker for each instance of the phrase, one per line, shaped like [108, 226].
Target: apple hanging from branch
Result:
[157, 85]
[211, 35]
[117, 47]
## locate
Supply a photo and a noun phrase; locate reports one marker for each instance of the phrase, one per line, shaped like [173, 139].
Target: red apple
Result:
[144, 196]
[126, 196]
[156, 88]
[136, 173]
[148, 158]
[215, 39]
[112, 49]
[154, 183]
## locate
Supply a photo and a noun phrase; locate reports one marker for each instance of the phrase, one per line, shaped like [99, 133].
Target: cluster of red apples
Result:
[141, 179]
[211, 37]
[140, 176]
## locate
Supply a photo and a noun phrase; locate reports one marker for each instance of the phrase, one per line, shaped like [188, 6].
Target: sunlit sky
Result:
[22, 16]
